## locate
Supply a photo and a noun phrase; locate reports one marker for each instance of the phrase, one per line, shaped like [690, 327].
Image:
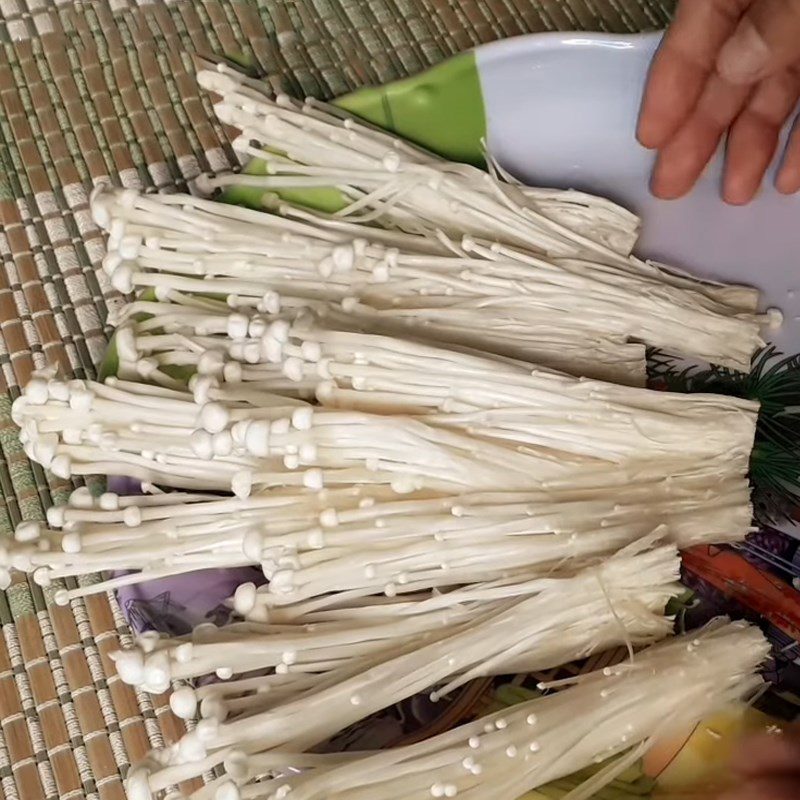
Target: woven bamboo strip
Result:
[104, 90]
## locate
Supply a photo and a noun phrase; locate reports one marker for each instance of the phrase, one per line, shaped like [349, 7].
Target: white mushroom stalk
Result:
[367, 503]
[382, 178]
[367, 540]
[483, 395]
[382, 287]
[309, 144]
[521, 303]
[610, 717]
[537, 436]
[308, 544]
[343, 673]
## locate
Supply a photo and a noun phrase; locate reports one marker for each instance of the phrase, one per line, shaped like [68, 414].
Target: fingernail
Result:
[745, 56]
[649, 136]
[787, 182]
[645, 139]
[665, 189]
[737, 196]
[737, 191]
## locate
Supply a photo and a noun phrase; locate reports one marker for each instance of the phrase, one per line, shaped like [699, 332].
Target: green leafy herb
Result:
[773, 381]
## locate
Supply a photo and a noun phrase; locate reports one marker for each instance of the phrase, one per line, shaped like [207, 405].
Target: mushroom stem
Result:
[451, 288]
[617, 710]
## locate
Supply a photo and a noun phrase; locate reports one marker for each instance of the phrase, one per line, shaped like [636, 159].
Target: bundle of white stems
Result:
[398, 186]
[507, 478]
[542, 431]
[362, 541]
[239, 358]
[582, 317]
[610, 716]
[358, 658]
[402, 186]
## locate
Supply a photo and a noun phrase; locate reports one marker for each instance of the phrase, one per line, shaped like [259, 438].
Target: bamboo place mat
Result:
[104, 90]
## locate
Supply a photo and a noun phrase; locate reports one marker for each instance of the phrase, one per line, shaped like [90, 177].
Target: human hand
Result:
[767, 767]
[724, 65]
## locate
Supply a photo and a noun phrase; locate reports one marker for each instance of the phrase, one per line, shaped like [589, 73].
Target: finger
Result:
[768, 754]
[766, 789]
[766, 39]
[683, 159]
[682, 65]
[754, 136]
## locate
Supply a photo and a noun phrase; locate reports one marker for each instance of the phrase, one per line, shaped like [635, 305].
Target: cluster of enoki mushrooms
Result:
[423, 415]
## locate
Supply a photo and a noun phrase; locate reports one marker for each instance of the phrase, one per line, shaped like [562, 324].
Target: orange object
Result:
[737, 578]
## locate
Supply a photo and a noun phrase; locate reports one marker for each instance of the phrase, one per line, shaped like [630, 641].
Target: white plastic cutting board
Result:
[561, 110]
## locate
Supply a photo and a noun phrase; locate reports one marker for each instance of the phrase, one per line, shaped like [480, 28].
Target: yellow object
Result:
[691, 765]
[697, 761]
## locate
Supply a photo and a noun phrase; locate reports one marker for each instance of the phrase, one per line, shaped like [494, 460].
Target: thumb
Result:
[766, 40]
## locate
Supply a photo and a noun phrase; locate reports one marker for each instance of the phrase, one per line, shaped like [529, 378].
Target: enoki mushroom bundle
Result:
[367, 540]
[383, 178]
[555, 432]
[611, 716]
[384, 181]
[332, 669]
[581, 317]
[238, 357]
[526, 470]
